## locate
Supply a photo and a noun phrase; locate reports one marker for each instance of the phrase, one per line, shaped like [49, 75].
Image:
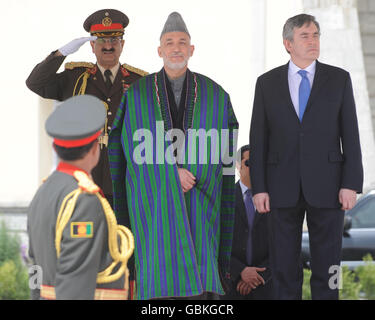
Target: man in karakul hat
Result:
[73, 233]
[181, 211]
[107, 79]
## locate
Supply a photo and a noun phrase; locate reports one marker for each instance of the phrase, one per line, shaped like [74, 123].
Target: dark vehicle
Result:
[358, 235]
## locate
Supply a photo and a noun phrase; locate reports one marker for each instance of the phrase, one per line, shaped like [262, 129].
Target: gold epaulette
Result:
[72, 65]
[135, 70]
[85, 183]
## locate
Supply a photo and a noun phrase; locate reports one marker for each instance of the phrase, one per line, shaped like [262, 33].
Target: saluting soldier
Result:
[107, 79]
[73, 233]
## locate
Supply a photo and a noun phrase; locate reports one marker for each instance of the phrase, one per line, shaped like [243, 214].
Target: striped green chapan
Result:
[182, 241]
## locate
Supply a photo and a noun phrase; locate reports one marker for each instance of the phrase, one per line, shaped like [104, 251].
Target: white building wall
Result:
[366, 16]
[235, 43]
[220, 31]
[341, 46]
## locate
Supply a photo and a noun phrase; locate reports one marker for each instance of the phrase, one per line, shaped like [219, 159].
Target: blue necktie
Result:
[304, 93]
[250, 211]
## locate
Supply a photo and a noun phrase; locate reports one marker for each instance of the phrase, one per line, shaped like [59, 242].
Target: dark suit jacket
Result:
[260, 247]
[287, 154]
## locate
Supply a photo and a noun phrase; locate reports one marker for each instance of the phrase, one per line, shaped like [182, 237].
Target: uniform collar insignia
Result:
[124, 72]
[68, 168]
[92, 70]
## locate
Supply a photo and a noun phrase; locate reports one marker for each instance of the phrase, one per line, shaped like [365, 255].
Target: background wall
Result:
[366, 13]
[235, 42]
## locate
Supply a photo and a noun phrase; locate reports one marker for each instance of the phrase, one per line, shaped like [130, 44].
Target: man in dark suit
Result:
[306, 157]
[249, 266]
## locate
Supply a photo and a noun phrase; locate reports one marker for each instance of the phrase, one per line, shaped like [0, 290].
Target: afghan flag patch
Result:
[81, 229]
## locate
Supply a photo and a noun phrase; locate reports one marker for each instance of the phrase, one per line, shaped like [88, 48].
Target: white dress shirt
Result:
[244, 189]
[294, 80]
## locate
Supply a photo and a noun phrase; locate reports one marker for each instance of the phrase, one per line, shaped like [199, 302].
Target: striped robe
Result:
[182, 241]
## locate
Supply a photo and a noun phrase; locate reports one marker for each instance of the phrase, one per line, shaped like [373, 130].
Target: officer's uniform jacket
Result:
[70, 263]
[84, 78]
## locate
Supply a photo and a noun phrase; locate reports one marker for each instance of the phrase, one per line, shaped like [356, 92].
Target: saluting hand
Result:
[74, 45]
[187, 179]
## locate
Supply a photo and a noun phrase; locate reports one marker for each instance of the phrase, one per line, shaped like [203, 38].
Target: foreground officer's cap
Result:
[76, 122]
[174, 23]
[106, 23]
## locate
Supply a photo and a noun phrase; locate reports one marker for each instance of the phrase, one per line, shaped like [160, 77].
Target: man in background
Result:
[249, 264]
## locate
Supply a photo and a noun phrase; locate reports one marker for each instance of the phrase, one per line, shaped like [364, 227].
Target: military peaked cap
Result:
[106, 23]
[77, 121]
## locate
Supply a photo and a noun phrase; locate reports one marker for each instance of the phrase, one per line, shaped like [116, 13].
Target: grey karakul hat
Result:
[77, 121]
[174, 23]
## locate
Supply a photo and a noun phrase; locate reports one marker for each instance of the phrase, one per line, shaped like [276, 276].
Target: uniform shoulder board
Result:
[135, 70]
[85, 183]
[45, 179]
[72, 65]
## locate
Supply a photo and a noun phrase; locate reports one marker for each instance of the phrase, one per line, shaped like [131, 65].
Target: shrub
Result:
[306, 292]
[13, 282]
[350, 287]
[9, 245]
[13, 274]
[366, 276]
[356, 284]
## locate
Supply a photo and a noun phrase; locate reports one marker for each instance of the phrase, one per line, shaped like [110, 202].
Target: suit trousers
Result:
[325, 227]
